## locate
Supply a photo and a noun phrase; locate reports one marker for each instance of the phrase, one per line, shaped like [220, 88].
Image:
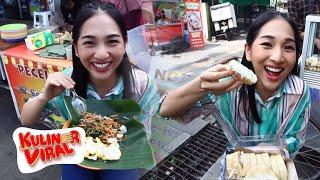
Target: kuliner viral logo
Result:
[37, 149]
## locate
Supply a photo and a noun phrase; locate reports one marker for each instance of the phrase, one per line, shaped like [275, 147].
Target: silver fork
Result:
[78, 102]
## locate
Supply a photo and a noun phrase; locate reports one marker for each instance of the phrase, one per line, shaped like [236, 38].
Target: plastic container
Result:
[69, 52]
[39, 40]
[271, 144]
[268, 140]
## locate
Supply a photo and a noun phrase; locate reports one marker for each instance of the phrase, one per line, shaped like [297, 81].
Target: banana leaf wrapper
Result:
[136, 149]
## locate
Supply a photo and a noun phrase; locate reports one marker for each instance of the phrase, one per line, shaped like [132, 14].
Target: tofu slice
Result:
[281, 166]
[260, 175]
[266, 160]
[260, 163]
[234, 167]
[274, 165]
[249, 161]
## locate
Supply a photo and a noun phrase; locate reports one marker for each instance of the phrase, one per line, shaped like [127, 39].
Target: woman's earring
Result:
[75, 51]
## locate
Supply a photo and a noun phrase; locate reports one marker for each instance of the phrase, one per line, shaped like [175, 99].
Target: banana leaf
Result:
[53, 51]
[135, 149]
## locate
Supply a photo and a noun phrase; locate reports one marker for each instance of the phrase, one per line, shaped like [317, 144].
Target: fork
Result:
[78, 102]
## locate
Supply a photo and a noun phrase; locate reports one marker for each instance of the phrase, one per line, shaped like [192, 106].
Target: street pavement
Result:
[8, 161]
[170, 71]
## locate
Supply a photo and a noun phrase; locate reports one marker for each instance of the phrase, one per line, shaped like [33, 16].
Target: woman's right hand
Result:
[55, 84]
[210, 79]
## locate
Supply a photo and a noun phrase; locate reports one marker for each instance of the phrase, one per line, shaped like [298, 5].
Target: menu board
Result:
[193, 17]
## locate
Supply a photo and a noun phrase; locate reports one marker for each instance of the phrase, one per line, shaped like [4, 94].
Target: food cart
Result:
[26, 73]
[243, 9]
[247, 2]
[165, 26]
[224, 19]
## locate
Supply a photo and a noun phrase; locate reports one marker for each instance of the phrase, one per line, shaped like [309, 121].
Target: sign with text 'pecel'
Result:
[37, 149]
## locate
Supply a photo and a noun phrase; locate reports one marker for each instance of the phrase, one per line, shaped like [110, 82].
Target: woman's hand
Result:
[210, 79]
[55, 84]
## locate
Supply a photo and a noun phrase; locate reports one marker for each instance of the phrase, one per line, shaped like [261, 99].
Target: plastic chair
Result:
[41, 18]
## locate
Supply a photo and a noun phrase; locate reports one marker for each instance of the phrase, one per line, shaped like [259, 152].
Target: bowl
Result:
[13, 32]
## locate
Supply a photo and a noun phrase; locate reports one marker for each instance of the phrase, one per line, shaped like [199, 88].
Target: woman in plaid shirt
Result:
[278, 104]
[101, 70]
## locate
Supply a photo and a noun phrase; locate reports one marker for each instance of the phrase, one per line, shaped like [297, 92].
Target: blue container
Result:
[186, 36]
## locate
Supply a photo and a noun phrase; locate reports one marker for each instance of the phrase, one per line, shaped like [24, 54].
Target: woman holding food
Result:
[277, 104]
[101, 70]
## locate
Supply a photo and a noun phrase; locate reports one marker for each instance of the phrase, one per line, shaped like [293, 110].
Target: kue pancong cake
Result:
[13, 32]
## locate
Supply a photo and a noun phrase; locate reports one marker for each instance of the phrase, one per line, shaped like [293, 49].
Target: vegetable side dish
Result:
[102, 136]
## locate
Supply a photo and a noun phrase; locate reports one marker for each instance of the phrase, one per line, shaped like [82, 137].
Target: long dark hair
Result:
[80, 74]
[247, 94]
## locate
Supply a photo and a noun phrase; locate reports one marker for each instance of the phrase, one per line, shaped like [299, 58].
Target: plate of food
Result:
[114, 138]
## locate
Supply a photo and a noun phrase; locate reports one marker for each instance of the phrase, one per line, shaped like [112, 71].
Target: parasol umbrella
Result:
[125, 6]
[131, 10]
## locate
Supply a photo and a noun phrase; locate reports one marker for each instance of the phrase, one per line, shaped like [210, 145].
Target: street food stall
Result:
[247, 2]
[162, 34]
[175, 19]
[3, 46]
[166, 24]
[26, 73]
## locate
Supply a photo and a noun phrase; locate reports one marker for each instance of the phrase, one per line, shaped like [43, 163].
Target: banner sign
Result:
[37, 149]
[27, 78]
[193, 17]
[27, 73]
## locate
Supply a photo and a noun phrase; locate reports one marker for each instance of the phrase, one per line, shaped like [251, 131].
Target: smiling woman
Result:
[273, 56]
[278, 104]
[101, 51]
[101, 70]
